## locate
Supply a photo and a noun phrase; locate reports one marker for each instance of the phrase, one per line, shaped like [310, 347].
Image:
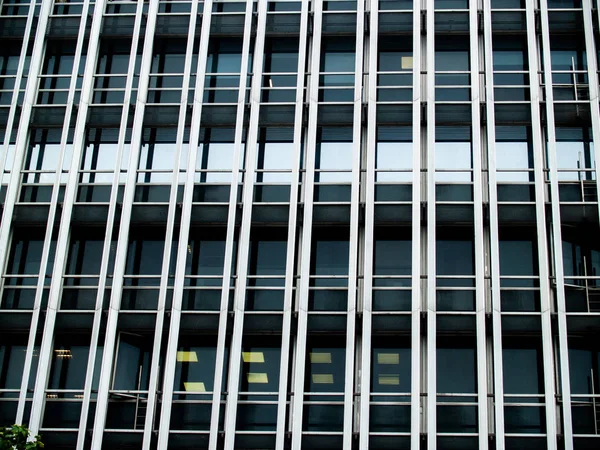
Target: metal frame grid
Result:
[367, 23]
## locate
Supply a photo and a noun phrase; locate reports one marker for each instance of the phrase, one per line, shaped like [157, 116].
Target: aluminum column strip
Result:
[155, 368]
[184, 231]
[291, 255]
[354, 228]
[123, 242]
[12, 192]
[431, 232]
[98, 313]
[244, 235]
[476, 148]
[64, 231]
[416, 249]
[307, 223]
[242, 248]
[593, 82]
[498, 381]
[22, 140]
[563, 361]
[540, 197]
[369, 234]
[15, 94]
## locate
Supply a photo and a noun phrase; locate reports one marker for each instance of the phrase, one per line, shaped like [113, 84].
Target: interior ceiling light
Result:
[390, 380]
[322, 378]
[187, 357]
[258, 378]
[63, 353]
[320, 358]
[253, 357]
[406, 62]
[194, 386]
[388, 358]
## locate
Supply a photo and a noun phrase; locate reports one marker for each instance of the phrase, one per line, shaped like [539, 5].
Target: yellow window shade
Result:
[322, 378]
[390, 380]
[388, 358]
[187, 357]
[194, 386]
[258, 378]
[253, 357]
[320, 358]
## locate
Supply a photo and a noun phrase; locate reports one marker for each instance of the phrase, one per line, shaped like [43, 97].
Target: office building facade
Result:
[285, 224]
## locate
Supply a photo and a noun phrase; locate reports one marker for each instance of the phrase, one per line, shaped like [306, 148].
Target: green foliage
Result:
[16, 438]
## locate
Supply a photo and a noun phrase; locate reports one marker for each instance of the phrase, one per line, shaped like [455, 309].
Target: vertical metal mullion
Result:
[35, 67]
[244, 236]
[592, 63]
[123, 241]
[563, 361]
[98, 313]
[416, 297]
[290, 263]
[538, 157]
[12, 191]
[371, 143]
[478, 224]
[164, 280]
[431, 233]
[494, 244]
[354, 227]
[184, 230]
[231, 225]
[15, 95]
[64, 231]
[307, 223]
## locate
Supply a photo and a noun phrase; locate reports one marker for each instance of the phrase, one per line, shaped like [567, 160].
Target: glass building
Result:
[300, 224]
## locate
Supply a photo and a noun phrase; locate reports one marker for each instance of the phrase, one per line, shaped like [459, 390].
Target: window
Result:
[266, 270]
[452, 67]
[456, 367]
[514, 156]
[455, 270]
[392, 268]
[523, 376]
[451, 4]
[394, 154]
[99, 163]
[69, 363]
[13, 350]
[112, 70]
[584, 360]
[333, 165]
[223, 70]
[330, 254]
[274, 164]
[511, 79]
[194, 382]
[56, 72]
[390, 374]
[575, 154]
[42, 164]
[166, 78]
[144, 255]
[204, 269]
[453, 155]
[337, 70]
[395, 55]
[325, 373]
[260, 379]
[195, 365]
[9, 62]
[132, 363]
